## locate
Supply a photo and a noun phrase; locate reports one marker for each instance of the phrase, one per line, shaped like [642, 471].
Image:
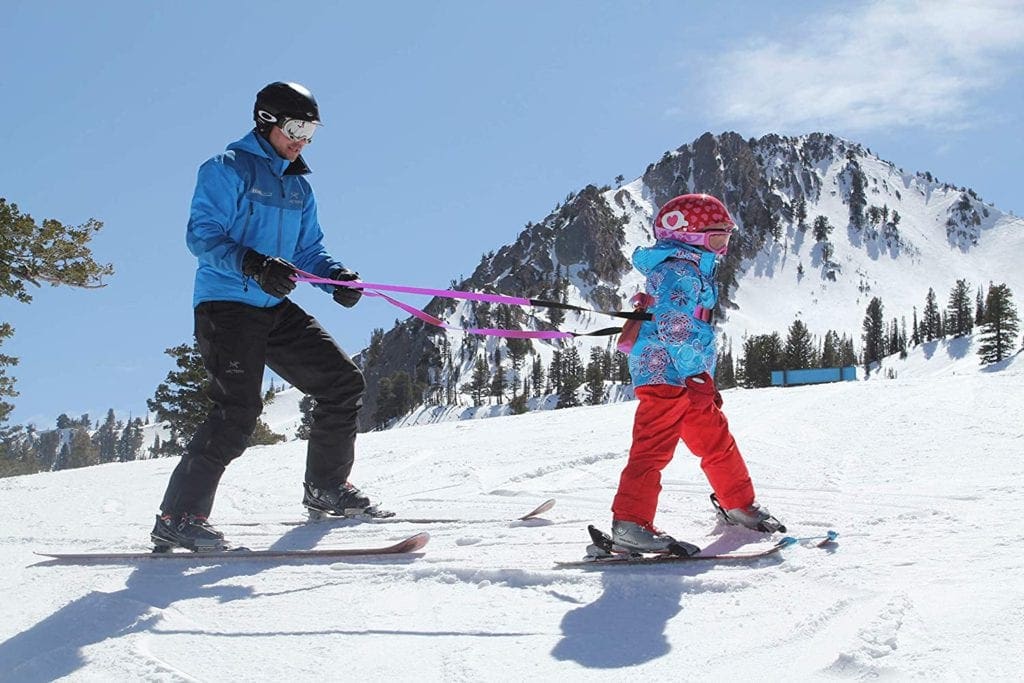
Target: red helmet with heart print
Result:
[697, 219]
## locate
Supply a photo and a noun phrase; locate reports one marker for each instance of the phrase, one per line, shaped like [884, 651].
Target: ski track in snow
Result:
[924, 582]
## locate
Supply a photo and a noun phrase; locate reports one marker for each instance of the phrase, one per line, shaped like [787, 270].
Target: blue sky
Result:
[449, 126]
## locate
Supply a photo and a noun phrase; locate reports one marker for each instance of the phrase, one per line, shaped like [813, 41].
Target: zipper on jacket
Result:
[245, 229]
[280, 219]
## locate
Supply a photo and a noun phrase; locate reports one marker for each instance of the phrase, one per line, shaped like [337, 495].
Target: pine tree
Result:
[401, 395]
[799, 350]
[46, 449]
[34, 253]
[560, 293]
[979, 308]
[874, 333]
[595, 377]
[480, 381]
[999, 331]
[607, 365]
[105, 438]
[858, 199]
[451, 377]
[931, 324]
[307, 404]
[17, 455]
[376, 346]
[130, 441]
[830, 350]
[555, 372]
[896, 342]
[6, 383]
[800, 213]
[761, 354]
[181, 400]
[80, 452]
[518, 405]
[482, 314]
[822, 229]
[385, 401]
[621, 365]
[571, 373]
[498, 383]
[725, 369]
[903, 337]
[847, 356]
[263, 435]
[959, 318]
[517, 350]
[537, 376]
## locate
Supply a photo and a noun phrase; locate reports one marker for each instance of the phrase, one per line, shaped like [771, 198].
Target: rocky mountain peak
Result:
[822, 222]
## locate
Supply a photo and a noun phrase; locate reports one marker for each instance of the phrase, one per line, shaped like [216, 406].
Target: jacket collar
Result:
[646, 258]
[255, 144]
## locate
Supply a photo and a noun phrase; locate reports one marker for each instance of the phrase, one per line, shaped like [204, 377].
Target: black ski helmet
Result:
[281, 100]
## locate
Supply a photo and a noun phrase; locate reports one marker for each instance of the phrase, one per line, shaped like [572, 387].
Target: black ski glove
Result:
[346, 296]
[271, 273]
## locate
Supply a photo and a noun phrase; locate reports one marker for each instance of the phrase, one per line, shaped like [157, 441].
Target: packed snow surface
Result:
[921, 475]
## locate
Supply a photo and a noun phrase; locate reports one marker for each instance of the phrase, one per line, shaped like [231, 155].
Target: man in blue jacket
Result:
[253, 222]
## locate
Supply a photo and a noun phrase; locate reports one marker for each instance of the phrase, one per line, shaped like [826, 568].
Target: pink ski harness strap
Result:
[377, 290]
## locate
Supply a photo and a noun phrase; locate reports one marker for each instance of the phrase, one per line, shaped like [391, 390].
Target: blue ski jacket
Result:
[679, 341]
[251, 198]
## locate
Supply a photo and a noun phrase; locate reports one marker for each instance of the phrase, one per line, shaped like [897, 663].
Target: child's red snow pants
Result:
[666, 414]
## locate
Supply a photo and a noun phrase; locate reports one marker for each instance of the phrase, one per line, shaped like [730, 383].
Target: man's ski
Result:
[408, 545]
[604, 555]
[375, 516]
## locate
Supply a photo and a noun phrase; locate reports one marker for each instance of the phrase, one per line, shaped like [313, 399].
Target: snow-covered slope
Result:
[282, 414]
[919, 474]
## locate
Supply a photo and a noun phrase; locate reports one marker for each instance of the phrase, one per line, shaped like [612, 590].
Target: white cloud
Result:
[927, 63]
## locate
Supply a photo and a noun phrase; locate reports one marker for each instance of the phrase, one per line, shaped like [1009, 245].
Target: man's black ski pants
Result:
[236, 341]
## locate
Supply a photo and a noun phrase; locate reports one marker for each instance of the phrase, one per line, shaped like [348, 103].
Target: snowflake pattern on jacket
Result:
[675, 344]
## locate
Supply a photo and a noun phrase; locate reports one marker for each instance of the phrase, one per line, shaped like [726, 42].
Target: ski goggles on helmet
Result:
[716, 241]
[299, 130]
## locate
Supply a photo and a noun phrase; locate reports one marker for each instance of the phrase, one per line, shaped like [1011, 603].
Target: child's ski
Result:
[604, 555]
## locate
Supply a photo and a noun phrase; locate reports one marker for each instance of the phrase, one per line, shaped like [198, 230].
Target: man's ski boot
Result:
[752, 516]
[341, 501]
[191, 532]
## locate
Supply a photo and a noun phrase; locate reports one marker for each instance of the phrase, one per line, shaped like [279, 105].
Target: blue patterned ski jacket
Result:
[676, 344]
[249, 197]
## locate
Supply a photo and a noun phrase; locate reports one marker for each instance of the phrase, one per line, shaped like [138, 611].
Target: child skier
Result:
[672, 363]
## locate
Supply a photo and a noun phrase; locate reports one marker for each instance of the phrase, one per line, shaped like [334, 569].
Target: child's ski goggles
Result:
[716, 241]
[299, 130]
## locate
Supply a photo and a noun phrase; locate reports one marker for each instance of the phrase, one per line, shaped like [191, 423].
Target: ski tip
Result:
[540, 509]
[416, 542]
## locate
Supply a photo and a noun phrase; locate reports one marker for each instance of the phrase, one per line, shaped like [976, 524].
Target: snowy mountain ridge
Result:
[915, 233]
